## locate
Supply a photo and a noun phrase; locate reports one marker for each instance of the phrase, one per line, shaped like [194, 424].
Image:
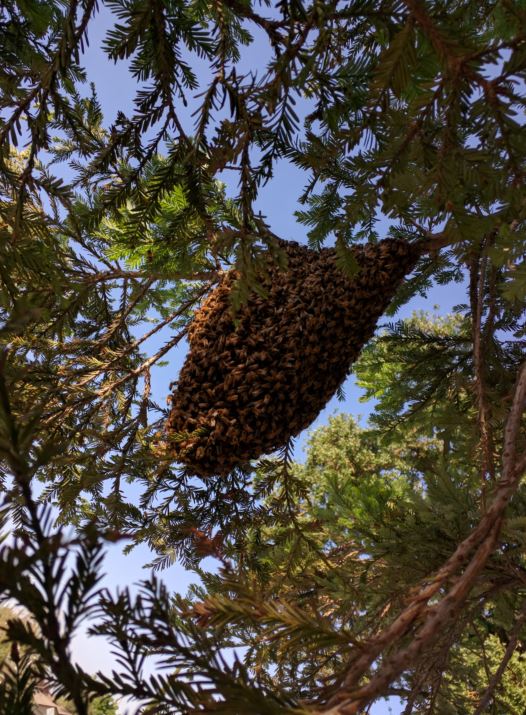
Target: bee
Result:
[272, 372]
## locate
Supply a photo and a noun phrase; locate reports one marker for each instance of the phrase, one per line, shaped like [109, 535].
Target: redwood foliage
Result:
[392, 562]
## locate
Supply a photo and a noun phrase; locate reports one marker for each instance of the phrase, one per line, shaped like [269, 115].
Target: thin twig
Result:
[136, 343]
[477, 287]
[118, 273]
[510, 649]
[146, 365]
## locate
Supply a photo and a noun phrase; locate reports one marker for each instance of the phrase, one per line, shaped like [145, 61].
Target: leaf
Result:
[395, 64]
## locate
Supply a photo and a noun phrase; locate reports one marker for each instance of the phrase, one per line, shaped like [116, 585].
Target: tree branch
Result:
[510, 649]
[483, 538]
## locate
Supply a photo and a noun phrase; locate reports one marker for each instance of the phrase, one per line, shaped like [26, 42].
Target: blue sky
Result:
[278, 201]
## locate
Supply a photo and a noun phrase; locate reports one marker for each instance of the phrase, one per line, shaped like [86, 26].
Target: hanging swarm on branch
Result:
[247, 387]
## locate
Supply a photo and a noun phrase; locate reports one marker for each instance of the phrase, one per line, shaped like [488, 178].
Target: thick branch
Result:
[483, 538]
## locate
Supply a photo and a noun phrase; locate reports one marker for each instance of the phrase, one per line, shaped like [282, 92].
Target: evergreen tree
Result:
[393, 560]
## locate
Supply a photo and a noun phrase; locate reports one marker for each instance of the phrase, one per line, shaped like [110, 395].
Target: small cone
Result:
[246, 388]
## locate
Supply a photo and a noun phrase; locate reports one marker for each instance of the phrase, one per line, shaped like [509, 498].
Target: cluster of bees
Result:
[250, 384]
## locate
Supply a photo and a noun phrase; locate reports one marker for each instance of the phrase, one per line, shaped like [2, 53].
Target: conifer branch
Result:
[508, 653]
[482, 539]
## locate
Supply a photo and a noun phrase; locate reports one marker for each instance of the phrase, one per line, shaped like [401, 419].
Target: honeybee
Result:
[285, 356]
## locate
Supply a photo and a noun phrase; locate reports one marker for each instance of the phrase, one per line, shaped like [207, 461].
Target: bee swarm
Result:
[247, 387]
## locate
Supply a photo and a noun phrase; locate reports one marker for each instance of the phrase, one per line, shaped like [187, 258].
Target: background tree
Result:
[104, 705]
[409, 109]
